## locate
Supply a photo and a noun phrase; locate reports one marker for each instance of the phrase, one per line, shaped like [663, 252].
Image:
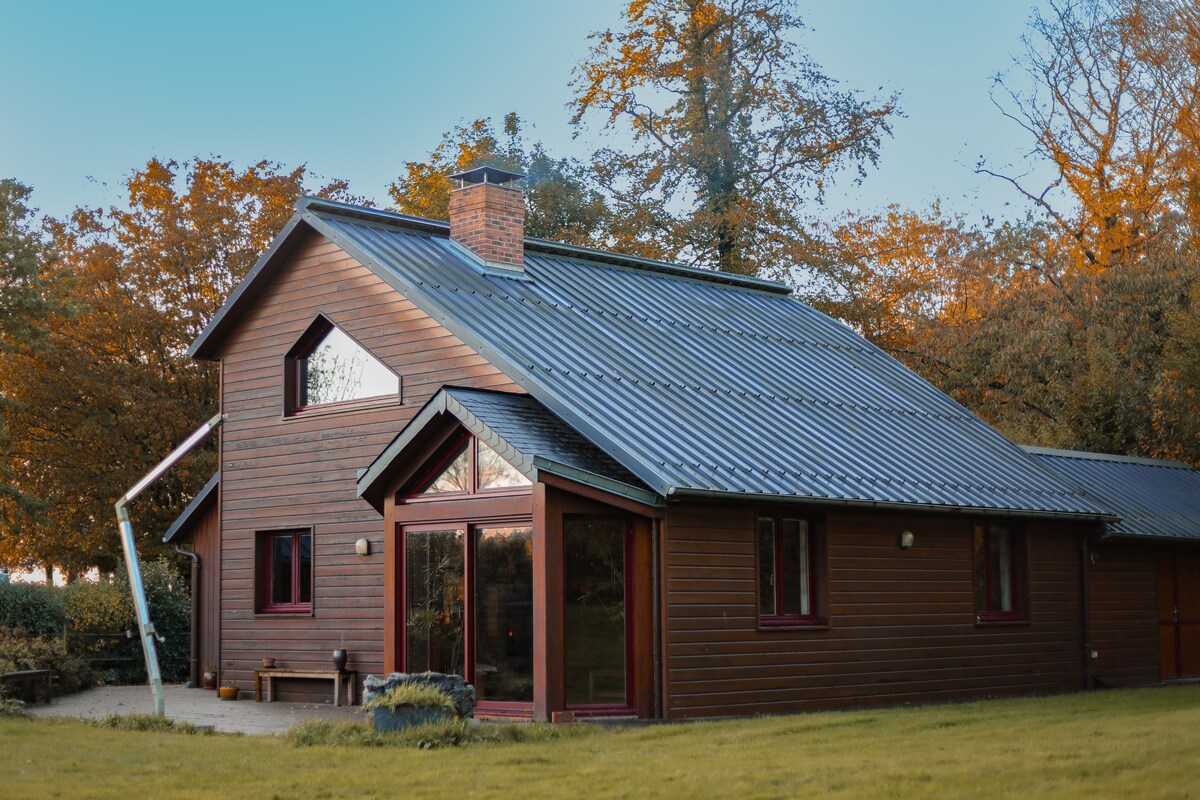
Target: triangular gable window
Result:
[328, 368]
[470, 466]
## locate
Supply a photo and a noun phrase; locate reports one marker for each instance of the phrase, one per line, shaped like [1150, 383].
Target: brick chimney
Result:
[487, 215]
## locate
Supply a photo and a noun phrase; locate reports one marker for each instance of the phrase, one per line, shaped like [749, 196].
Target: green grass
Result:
[1141, 743]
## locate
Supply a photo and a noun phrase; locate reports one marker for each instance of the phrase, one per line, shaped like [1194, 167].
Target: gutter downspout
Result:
[194, 656]
[146, 631]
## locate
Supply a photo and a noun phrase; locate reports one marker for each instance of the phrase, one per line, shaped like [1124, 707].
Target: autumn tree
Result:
[108, 390]
[736, 131]
[561, 202]
[1111, 105]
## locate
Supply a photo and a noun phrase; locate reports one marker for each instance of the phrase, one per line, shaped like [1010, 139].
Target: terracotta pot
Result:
[228, 692]
[208, 680]
[339, 659]
[268, 663]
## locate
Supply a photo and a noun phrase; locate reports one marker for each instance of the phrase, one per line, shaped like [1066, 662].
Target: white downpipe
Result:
[149, 636]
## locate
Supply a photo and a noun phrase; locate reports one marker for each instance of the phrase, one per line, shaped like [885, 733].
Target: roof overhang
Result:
[445, 408]
[194, 510]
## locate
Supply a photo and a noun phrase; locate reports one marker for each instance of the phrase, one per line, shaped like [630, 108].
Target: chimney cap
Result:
[485, 174]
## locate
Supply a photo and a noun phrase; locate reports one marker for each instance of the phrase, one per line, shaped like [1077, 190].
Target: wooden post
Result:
[549, 694]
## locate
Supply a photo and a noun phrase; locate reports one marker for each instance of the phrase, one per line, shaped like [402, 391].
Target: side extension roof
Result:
[200, 503]
[699, 383]
[1154, 498]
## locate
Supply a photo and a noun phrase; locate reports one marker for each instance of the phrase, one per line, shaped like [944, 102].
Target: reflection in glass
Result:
[595, 611]
[456, 477]
[495, 472]
[766, 566]
[339, 369]
[304, 590]
[281, 570]
[503, 602]
[794, 567]
[433, 572]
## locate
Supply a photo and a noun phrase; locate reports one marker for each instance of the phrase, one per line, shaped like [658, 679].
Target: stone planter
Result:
[387, 720]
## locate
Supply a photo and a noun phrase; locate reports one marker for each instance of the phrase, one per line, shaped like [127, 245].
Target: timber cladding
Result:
[1123, 608]
[901, 624]
[299, 472]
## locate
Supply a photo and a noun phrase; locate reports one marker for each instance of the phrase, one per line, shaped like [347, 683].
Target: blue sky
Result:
[91, 91]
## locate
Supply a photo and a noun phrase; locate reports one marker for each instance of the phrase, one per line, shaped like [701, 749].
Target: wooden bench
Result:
[337, 676]
[30, 679]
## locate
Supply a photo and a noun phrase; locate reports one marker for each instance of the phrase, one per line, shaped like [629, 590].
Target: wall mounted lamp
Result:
[906, 539]
[362, 547]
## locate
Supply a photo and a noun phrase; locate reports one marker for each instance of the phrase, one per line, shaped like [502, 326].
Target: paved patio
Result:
[196, 706]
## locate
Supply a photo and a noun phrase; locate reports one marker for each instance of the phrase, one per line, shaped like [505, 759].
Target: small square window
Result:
[284, 572]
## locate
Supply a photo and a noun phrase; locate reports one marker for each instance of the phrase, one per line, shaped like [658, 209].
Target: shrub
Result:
[19, 651]
[450, 733]
[147, 722]
[413, 695]
[31, 607]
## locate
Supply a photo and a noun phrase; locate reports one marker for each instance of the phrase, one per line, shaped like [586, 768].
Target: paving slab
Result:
[197, 706]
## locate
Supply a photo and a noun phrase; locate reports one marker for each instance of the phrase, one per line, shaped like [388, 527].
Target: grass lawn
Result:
[1136, 743]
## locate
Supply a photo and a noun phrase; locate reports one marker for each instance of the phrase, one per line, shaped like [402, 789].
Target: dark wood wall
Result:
[1123, 608]
[206, 540]
[299, 472]
[901, 622]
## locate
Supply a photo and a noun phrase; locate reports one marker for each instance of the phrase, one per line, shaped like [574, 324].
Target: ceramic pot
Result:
[208, 680]
[268, 663]
[339, 659]
[228, 692]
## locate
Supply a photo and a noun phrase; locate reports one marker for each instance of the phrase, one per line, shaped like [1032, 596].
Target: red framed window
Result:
[999, 553]
[787, 573]
[468, 466]
[328, 369]
[284, 578]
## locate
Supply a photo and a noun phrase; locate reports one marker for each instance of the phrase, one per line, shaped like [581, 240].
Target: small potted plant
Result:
[228, 690]
[209, 679]
[268, 662]
[410, 704]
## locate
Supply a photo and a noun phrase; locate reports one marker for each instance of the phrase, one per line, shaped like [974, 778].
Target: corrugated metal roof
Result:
[203, 499]
[1153, 498]
[521, 430]
[701, 382]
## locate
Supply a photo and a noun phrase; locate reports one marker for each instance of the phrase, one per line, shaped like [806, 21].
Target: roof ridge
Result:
[383, 216]
[1086, 455]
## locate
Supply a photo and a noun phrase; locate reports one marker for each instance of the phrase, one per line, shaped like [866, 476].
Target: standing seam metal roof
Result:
[1153, 498]
[701, 382]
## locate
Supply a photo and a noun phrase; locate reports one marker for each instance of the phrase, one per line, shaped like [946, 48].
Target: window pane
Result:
[304, 590]
[766, 567]
[503, 595]
[495, 472]
[1001, 570]
[338, 369]
[794, 567]
[281, 570]
[594, 583]
[456, 477]
[433, 582]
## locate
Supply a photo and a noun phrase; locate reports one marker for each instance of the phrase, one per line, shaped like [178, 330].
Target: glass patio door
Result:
[596, 622]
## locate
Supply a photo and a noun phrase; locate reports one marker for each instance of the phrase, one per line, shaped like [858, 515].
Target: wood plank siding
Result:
[206, 540]
[282, 472]
[901, 623]
[1123, 610]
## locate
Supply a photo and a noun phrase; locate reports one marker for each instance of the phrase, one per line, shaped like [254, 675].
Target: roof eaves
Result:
[366, 483]
[204, 345]
[199, 503]
[598, 482]
[716, 494]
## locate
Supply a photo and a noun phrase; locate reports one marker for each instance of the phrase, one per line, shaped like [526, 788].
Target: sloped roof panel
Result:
[704, 382]
[1153, 498]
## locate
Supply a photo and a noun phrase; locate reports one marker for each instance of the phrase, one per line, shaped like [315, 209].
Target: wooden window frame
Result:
[468, 525]
[815, 619]
[263, 573]
[295, 375]
[445, 456]
[1018, 572]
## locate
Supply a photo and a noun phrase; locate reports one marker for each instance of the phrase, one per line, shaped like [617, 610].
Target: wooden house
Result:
[595, 483]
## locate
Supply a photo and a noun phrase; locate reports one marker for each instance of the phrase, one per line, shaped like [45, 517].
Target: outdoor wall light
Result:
[362, 547]
[906, 539]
